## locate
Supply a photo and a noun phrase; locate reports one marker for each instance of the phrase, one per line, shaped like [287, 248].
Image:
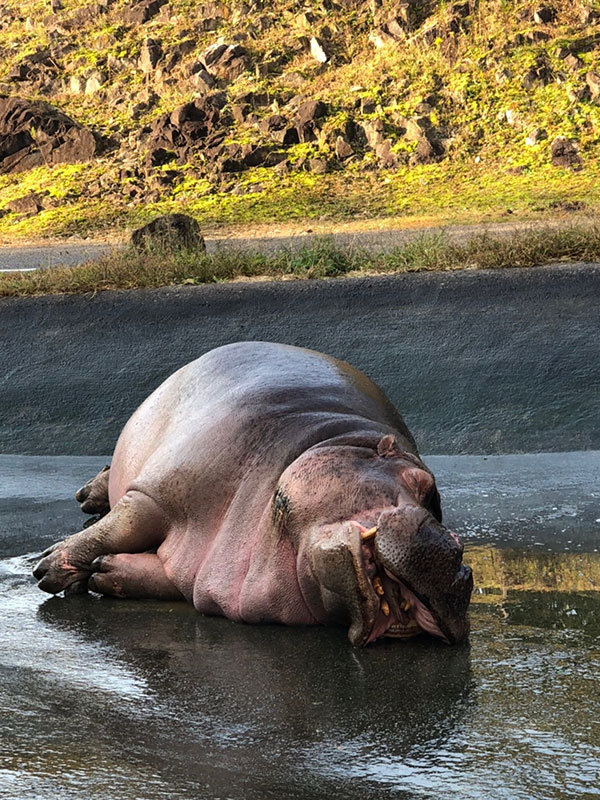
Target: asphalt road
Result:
[476, 361]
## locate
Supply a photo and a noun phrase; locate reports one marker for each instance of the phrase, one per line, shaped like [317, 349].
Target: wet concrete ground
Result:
[117, 699]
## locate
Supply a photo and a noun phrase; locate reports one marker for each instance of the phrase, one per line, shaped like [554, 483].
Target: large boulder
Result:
[171, 231]
[33, 133]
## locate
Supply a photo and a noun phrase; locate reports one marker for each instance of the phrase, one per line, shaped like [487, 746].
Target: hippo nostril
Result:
[463, 581]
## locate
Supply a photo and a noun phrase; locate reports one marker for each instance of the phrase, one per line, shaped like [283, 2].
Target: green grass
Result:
[131, 270]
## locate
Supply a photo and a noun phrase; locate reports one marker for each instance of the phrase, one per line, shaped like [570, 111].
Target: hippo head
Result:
[388, 567]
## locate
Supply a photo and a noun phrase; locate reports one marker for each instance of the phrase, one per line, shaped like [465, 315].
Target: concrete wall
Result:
[477, 362]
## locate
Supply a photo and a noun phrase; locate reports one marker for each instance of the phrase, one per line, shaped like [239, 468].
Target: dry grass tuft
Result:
[431, 252]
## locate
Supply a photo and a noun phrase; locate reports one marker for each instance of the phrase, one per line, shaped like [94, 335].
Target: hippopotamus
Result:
[274, 484]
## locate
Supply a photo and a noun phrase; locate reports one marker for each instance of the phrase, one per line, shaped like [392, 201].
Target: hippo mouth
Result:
[401, 613]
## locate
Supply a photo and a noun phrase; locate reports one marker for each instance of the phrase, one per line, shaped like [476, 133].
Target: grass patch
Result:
[446, 192]
[323, 259]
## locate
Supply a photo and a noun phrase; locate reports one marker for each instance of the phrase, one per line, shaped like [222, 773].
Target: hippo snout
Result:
[427, 558]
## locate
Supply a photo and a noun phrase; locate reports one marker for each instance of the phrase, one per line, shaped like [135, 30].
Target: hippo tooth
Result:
[377, 585]
[405, 605]
[366, 535]
[385, 608]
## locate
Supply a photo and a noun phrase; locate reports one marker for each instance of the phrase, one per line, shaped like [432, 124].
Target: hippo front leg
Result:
[132, 575]
[134, 525]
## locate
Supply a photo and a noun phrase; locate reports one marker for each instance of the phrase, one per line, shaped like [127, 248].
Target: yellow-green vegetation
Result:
[494, 83]
[499, 571]
[443, 193]
[130, 269]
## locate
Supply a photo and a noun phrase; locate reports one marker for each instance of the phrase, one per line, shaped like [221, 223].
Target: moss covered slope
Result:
[256, 112]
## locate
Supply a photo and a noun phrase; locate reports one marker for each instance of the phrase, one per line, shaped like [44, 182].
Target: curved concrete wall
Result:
[477, 362]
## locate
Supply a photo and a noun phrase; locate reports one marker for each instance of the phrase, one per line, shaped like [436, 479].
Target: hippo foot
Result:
[133, 575]
[64, 566]
[93, 496]
[134, 525]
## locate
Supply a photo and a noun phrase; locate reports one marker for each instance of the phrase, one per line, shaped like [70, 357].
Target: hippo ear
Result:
[422, 484]
[388, 446]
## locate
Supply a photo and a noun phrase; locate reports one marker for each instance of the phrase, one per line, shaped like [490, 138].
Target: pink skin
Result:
[249, 473]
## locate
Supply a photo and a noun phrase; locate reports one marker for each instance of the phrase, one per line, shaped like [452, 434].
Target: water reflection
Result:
[276, 681]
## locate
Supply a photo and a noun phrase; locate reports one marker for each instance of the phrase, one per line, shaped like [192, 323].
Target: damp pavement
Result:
[103, 698]
[497, 374]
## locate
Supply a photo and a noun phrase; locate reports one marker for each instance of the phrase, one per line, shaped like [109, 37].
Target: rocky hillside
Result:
[279, 110]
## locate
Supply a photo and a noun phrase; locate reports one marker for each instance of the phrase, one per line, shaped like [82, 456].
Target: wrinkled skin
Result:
[269, 483]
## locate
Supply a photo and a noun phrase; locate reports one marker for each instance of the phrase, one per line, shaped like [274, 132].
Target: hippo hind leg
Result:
[136, 524]
[133, 575]
[93, 495]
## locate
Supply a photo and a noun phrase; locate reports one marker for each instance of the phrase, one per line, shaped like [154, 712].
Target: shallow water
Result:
[119, 700]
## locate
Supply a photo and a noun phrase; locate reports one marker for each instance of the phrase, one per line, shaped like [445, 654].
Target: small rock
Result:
[77, 84]
[565, 152]
[543, 15]
[30, 204]
[573, 62]
[317, 165]
[142, 12]
[317, 50]
[307, 119]
[373, 130]
[159, 156]
[202, 81]
[343, 148]
[425, 152]
[56, 5]
[34, 133]
[94, 82]
[150, 55]
[387, 158]
[535, 136]
[593, 81]
[226, 61]
[305, 20]
[367, 105]
[171, 231]
[293, 79]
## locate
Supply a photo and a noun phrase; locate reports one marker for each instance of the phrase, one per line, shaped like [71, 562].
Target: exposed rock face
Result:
[189, 126]
[33, 133]
[139, 13]
[171, 231]
[225, 61]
